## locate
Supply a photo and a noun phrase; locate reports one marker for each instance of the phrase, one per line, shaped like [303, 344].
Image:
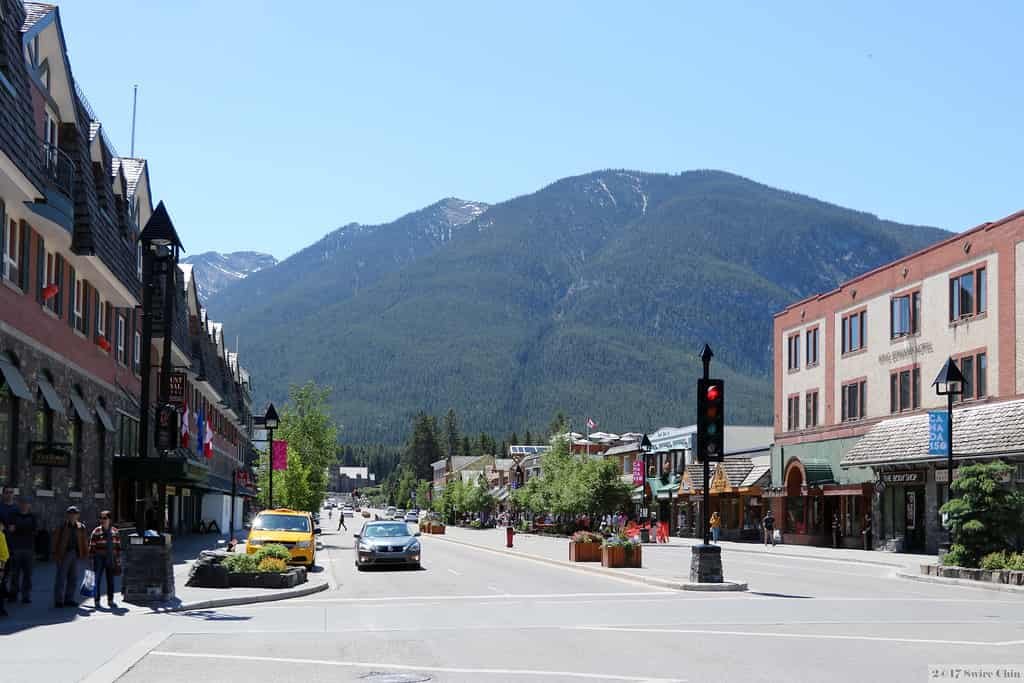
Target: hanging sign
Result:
[50, 454]
[938, 432]
[177, 388]
[638, 472]
[279, 455]
[167, 430]
[686, 483]
[719, 482]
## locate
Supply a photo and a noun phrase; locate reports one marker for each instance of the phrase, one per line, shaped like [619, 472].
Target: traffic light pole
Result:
[706, 505]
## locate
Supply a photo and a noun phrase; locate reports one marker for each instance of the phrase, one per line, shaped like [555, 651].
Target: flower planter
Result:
[287, 579]
[622, 556]
[584, 552]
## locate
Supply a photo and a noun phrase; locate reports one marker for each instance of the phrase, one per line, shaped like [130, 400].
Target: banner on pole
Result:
[638, 472]
[938, 432]
[279, 455]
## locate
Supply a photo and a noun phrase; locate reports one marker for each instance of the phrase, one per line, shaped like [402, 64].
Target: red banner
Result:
[279, 455]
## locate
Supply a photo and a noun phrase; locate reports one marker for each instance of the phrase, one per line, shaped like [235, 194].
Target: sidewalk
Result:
[186, 549]
[661, 562]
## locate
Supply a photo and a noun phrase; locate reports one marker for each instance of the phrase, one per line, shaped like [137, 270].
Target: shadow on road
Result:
[783, 595]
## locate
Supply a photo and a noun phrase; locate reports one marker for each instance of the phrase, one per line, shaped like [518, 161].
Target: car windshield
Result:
[281, 523]
[385, 530]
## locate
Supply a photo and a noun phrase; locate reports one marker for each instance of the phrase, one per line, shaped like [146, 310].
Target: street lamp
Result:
[645, 450]
[160, 246]
[270, 422]
[949, 383]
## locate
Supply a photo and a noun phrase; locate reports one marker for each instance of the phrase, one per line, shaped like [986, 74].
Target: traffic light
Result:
[710, 419]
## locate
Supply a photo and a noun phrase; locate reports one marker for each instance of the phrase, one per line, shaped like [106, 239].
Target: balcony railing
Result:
[57, 166]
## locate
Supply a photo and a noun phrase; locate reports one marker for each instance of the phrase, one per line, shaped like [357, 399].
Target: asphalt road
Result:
[474, 615]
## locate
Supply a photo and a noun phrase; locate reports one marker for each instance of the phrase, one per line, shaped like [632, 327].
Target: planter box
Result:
[617, 556]
[288, 579]
[1003, 576]
[584, 552]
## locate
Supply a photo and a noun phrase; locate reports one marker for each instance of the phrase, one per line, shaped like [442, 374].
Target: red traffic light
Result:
[713, 392]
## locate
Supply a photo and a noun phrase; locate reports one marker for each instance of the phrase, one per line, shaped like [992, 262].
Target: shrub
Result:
[984, 514]
[1015, 562]
[240, 563]
[275, 550]
[270, 565]
[586, 537]
[997, 560]
[620, 540]
[476, 524]
[957, 557]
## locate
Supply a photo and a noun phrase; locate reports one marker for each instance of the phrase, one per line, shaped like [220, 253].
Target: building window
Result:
[8, 435]
[120, 339]
[812, 347]
[43, 476]
[855, 332]
[905, 390]
[793, 413]
[14, 249]
[101, 318]
[136, 351]
[793, 352]
[968, 294]
[101, 453]
[811, 417]
[854, 396]
[127, 436]
[48, 276]
[981, 367]
[138, 258]
[905, 315]
[79, 298]
[975, 370]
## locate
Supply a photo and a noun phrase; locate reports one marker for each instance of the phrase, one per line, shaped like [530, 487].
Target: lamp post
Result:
[270, 422]
[160, 247]
[949, 383]
[645, 450]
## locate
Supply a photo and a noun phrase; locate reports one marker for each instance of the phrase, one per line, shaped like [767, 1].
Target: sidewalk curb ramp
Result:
[967, 583]
[679, 585]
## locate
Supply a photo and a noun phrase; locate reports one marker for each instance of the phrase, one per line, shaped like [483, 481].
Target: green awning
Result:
[819, 471]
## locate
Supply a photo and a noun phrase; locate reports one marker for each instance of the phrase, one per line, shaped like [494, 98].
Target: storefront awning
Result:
[81, 409]
[50, 395]
[15, 382]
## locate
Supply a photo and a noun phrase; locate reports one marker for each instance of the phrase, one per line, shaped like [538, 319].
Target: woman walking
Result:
[716, 527]
[105, 550]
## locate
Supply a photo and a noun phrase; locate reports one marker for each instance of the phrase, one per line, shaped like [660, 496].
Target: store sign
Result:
[686, 483]
[177, 388]
[51, 455]
[915, 477]
[910, 351]
[720, 482]
[167, 428]
[938, 432]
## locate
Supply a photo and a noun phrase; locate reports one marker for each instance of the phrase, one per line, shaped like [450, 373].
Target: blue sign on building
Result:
[938, 432]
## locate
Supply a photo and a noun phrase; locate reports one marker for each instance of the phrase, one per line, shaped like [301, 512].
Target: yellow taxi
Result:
[293, 529]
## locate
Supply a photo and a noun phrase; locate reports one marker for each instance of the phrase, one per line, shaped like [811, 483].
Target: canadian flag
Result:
[208, 440]
[591, 424]
[185, 424]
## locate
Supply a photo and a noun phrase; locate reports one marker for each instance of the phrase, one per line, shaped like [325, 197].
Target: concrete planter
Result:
[1001, 576]
[1015, 578]
[584, 552]
[288, 579]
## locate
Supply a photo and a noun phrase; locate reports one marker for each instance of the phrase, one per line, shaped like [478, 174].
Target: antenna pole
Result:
[135, 102]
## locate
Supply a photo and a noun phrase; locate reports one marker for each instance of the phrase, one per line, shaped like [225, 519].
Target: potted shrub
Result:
[621, 551]
[585, 546]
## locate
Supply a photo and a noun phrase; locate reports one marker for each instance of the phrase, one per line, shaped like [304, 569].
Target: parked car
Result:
[387, 543]
[389, 513]
[412, 516]
[348, 511]
[293, 529]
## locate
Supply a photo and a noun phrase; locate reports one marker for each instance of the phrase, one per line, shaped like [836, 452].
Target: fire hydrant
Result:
[509, 532]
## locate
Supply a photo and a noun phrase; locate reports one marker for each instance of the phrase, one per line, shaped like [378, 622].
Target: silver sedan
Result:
[387, 543]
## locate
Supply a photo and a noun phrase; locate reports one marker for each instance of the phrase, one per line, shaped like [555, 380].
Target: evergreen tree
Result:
[529, 438]
[513, 440]
[466, 449]
[451, 433]
[423, 449]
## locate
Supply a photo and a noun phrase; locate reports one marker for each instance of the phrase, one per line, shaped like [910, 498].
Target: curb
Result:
[612, 573]
[249, 600]
[967, 583]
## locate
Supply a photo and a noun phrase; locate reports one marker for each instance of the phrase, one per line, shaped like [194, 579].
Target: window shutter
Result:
[86, 296]
[110, 322]
[23, 279]
[95, 296]
[71, 296]
[40, 269]
[3, 237]
[129, 340]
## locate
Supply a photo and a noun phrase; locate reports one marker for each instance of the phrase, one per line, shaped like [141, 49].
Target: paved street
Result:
[480, 615]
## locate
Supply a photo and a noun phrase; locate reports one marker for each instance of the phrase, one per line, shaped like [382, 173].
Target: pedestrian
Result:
[865, 531]
[716, 526]
[769, 528]
[22, 528]
[105, 550]
[69, 546]
[682, 522]
[836, 529]
[7, 508]
[663, 531]
[341, 521]
[4, 556]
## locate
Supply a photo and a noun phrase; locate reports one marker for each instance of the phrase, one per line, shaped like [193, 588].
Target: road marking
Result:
[409, 667]
[455, 572]
[813, 636]
[485, 596]
[495, 589]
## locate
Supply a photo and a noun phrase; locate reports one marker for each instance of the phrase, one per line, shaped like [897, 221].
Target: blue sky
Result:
[268, 124]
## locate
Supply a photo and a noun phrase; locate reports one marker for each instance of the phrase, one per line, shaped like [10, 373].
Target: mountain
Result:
[592, 295]
[215, 271]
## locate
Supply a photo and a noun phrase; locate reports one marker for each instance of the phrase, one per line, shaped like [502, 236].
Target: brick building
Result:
[853, 382]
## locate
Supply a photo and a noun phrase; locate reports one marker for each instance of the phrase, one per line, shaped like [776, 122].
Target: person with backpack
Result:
[105, 550]
[769, 528]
